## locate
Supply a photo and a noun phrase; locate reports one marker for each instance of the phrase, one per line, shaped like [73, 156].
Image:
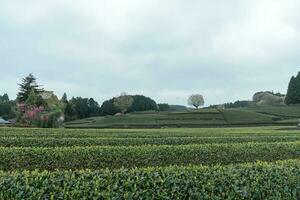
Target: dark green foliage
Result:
[79, 108]
[7, 107]
[64, 98]
[93, 107]
[293, 93]
[177, 108]
[260, 180]
[4, 98]
[163, 107]
[70, 112]
[114, 157]
[140, 103]
[32, 99]
[28, 85]
[108, 108]
[237, 104]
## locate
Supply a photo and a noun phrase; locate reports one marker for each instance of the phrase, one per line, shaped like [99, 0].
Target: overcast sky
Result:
[165, 49]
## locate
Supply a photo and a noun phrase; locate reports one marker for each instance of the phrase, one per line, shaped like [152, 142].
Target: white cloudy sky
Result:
[166, 49]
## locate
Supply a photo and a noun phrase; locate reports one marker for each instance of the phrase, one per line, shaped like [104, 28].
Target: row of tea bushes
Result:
[113, 157]
[68, 142]
[280, 180]
[144, 133]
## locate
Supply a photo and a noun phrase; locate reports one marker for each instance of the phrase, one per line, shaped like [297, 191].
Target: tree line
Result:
[293, 93]
[35, 106]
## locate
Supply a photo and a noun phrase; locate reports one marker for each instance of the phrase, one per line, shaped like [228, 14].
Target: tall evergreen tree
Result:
[293, 93]
[29, 84]
[4, 98]
[7, 107]
[64, 98]
[94, 108]
[32, 99]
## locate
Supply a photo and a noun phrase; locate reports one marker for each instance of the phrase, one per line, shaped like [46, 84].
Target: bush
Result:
[142, 156]
[140, 103]
[163, 107]
[68, 142]
[279, 180]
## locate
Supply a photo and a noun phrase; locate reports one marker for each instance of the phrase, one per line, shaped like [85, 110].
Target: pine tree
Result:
[32, 99]
[293, 93]
[4, 98]
[64, 98]
[28, 84]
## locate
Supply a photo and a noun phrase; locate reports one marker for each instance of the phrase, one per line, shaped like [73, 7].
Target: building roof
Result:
[2, 121]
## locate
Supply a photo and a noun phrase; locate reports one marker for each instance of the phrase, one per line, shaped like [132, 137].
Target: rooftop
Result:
[2, 121]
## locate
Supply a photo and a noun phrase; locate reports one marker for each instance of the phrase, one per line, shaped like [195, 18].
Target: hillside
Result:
[284, 115]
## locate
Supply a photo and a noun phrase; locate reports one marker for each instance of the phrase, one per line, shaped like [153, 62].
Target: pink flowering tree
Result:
[29, 114]
[33, 113]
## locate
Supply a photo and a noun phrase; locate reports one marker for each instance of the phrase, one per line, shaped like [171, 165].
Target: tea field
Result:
[171, 163]
[202, 118]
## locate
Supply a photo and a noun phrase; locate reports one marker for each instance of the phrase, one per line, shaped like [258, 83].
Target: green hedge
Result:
[279, 180]
[145, 133]
[65, 142]
[139, 156]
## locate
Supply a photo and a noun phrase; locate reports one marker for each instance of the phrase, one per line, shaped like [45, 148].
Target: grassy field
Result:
[252, 116]
[173, 163]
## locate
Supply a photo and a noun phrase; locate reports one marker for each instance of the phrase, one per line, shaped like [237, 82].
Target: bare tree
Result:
[196, 100]
[123, 102]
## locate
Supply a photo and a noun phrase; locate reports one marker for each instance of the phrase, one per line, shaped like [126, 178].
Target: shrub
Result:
[142, 156]
[279, 180]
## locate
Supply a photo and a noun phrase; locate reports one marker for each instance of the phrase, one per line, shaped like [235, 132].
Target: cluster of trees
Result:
[7, 107]
[127, 103]
[268, 99]
[163, 107]
[36, 106]
[236, 104]
[42, 108]
[293, 93]
[79, 108]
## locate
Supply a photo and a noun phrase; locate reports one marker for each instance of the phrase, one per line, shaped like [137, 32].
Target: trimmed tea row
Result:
[279, 180]
[113, 157]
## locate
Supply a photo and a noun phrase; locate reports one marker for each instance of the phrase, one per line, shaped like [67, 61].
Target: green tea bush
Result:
[280, 180]
[113, 141]
[113, 157]
[145, 133]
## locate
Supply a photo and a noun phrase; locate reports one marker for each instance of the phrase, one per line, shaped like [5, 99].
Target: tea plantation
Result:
[250, 116]
[178, 163]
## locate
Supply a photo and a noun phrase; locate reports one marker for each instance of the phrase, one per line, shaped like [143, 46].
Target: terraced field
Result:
[252, 116]
[179, 163]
